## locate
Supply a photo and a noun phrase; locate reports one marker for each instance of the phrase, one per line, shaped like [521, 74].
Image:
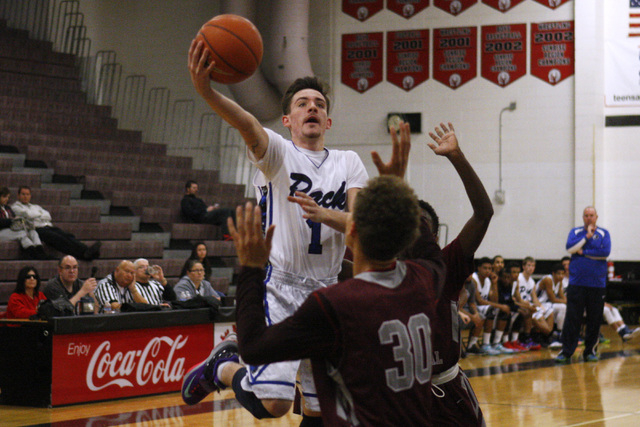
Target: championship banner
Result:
[407, 8]
[362, 60]
[362, 9]
[108, 365]
[553, 4]
[621, 71]
[407, 58]
[502, 5]
[454, 7]
[504, 53]
[552, 51]
[455, 55]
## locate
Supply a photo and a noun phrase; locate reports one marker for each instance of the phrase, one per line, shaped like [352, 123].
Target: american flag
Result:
[634, 18]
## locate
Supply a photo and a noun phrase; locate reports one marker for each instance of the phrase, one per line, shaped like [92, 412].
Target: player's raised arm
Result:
[446, 144]
[249, 127]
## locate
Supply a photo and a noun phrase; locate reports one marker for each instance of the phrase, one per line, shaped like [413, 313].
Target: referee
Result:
[589, 247]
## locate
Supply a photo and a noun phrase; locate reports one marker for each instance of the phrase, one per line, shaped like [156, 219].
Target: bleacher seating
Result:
[44, 116]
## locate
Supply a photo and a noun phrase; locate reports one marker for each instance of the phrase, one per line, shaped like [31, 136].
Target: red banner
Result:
[552, 3]
[116, 364]
[455, 55]
[362, 60]
[504, 53]
[454, 7]
[407, 58]
[407, 8]
[362, 9]
[502, 5]
[552, 51]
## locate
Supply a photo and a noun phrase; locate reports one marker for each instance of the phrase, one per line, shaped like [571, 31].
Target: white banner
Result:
[622, 72]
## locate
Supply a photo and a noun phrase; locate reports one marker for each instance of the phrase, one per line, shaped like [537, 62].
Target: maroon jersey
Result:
[445, 327]
[383, 373]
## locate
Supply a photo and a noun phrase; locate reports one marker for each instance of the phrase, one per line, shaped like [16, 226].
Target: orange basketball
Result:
[234, 44]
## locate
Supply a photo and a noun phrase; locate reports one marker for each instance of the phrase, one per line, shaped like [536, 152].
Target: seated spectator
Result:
[23, 302]
[151, 281]
[12, 228]
[199, 253]
[194, 284]
[196, 210]
[526, 299]
[67, 284]
[551, 295]
[119, 287]
[468, 307]
[53, 236]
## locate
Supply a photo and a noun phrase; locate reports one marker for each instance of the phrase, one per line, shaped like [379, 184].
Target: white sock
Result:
[486, 338]
[514, 335]
[621, 327]
[497, 337]
[220, 368]
[472, 341]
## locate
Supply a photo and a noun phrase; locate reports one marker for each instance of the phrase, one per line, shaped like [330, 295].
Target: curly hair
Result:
[309, 82]
[387, 217]
[22, 277]
[429, 213]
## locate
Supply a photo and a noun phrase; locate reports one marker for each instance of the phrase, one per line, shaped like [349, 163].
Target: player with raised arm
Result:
[306, 255]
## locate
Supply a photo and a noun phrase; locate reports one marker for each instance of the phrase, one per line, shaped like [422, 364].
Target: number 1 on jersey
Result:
[315, 247]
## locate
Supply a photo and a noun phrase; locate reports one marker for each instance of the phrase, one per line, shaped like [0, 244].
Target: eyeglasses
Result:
[70, 267]
[31, 276]
[198, 270]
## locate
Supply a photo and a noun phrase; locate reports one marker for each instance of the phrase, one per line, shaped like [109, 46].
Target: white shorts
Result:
[545, 310]
[487, 311]
[285, 292]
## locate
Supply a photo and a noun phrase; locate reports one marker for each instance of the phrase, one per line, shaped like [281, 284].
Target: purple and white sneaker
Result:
[202, 378]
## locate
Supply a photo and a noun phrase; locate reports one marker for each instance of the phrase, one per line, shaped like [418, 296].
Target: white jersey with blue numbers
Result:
[302, 247]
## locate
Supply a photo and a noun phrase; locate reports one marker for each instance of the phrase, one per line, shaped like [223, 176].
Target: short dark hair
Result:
[513, 264]
[189, 183]
[430, 214]
[387, 217]
[493, 260]
[528, 259]
[557, 267]
[24, 187]
[22, 277]
[4, 191]
[309, 82]
[483, 260]
[565, 258]
[191, 263]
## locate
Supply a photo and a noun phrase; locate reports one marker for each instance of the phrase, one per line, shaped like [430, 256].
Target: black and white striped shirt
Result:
[109, 291]
[151, 291]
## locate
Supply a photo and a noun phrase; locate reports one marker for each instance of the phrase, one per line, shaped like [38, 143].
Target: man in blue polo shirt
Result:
[589, 247]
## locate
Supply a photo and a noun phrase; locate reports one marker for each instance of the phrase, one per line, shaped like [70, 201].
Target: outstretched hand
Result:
[311, 209]
[445, 140]
[251, 246]
[198, 67]
[397, 165]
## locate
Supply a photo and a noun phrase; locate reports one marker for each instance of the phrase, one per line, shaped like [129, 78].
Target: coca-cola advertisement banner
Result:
[502, 5]
[455, 55]
[362, 60]
[504, 53]
[454, 7]
[552, 3]
[407, 8]
[115, 364]
[552, 51]
[362, 9]
[407, 58]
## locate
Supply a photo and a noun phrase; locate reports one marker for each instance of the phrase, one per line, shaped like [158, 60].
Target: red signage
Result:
[502, 5]
[407, 8]
[362, 60]
[552, 51]
[552, 3]
[504, 53]
[454, 7]
[455, 55]
[407, 58]
[362, 9]
[116, 364]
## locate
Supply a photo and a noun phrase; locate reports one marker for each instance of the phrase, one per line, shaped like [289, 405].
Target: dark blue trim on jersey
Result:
[268, 271]
[308, 158]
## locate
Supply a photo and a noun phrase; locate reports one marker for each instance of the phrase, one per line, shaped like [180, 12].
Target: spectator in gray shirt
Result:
[194, 284]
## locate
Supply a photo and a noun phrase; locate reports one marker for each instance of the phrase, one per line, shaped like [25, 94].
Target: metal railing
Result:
[211, 143]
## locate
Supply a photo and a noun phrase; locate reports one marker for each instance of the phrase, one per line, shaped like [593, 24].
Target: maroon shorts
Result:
[455, 404]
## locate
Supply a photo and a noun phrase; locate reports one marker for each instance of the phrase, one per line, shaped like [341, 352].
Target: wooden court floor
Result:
[513, 390]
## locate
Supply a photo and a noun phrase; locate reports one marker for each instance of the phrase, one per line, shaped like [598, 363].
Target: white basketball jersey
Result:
[300, 246]
[525, 287]
[484, 288]
[542, 294]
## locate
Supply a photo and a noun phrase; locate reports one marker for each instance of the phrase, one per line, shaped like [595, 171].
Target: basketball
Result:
[235, 45]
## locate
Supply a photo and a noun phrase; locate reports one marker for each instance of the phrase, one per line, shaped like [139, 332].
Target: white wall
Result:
[552, 144]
